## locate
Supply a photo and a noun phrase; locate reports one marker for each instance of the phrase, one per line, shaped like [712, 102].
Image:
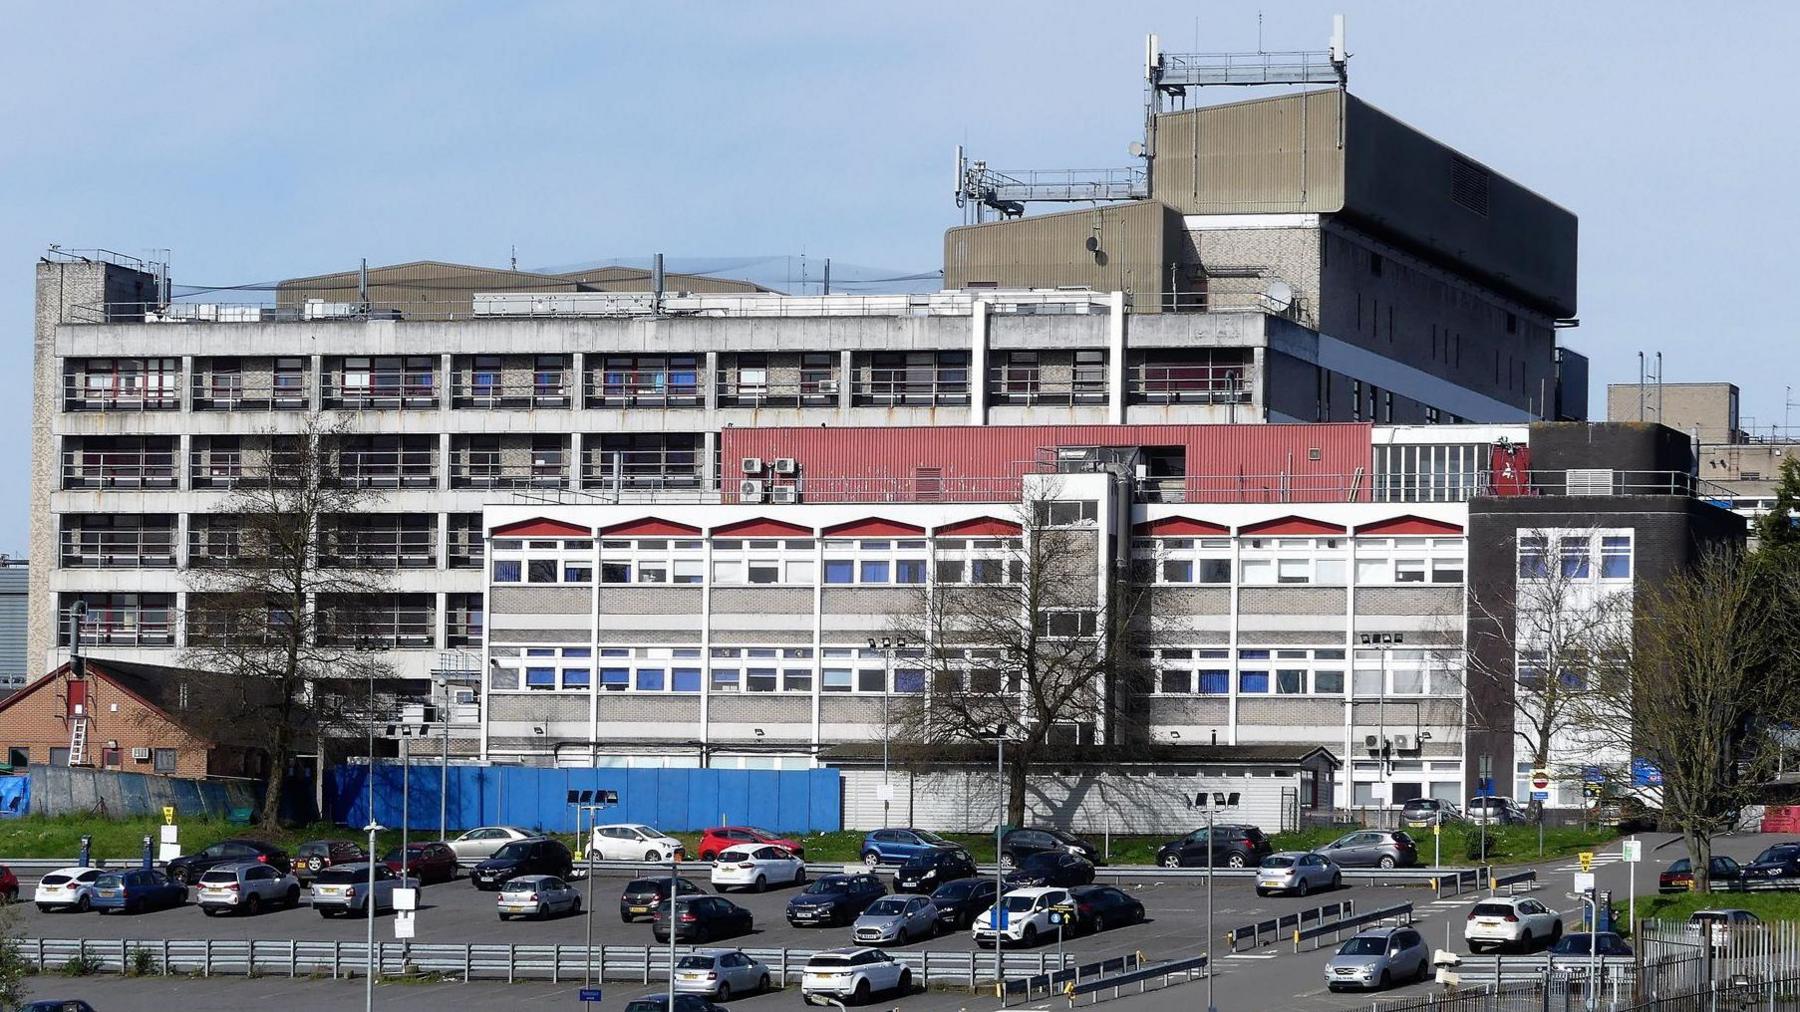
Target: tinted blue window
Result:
[1253, 681]
[686, 680]
[874, 571]
[649, 678]
[506, 571]
[576, 678]
[1215, 683]
[909, 681]
[909, 571]
[839, 571]
[540, 677]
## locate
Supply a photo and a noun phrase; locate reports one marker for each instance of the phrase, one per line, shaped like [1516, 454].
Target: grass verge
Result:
[1770, 906]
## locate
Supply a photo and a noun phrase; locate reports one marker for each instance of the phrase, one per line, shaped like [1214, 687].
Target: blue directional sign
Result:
[590, 994]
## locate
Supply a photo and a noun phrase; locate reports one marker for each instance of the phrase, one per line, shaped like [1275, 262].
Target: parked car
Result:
[344, 888]
[834, 899]
[1495, 811]
[481, 843]
[187, 870]
[532, 856]
[1297, 872]
[428, 862]
[1230, 847]
[899, 919]
[1099, 907]
[1718, 925]
[1781, 861]
[958, 902]
[1050, 868]
[1373, 848]
[537, 897]
[720, 973]
[701, 919]
[1018, 844]
[630, 841]
[719, 837]
[683, 1003]
[55, 1005]
[1584, 944]
[70, 888]
[9, 885]
[641, 895]
[1427, 812]
[897, 846]
[924, 872]
[1678, 877]
[1027, 917]
[755, 866]
[1378, 959]
[1516, 921]
[852, 976]
[137, 891]
[246, 888]
[315, 856]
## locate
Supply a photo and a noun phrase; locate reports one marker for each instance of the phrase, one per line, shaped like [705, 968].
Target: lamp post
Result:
[369, 918]
[1210, 1007]
[674, 883]
[887, 645]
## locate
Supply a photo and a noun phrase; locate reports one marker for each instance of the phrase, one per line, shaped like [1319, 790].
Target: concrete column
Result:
[315, 368]
[710, 379]
[445, 363]
[978, 359]
[1115, 360]
[576, 443]
[186, 391]
[184, 474]
[846, 378]
[1258, 408]
[577, 383]
[443, 541]
[438, 638]
[181, 541]
[709, 463]
[444, 462]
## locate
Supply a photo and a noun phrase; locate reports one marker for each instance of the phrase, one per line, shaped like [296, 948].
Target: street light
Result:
[998, 734]
[887, 645]
[1213, 802]
[369, 917]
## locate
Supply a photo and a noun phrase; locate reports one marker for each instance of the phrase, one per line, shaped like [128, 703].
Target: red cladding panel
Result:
[1292, 525]
[650, 527]
[542, 528]
[762, 528]
[873, 527]
[980, 527]
[1178, 527]
[1410, 525]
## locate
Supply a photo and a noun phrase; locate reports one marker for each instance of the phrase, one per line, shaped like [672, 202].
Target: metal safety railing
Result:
[226, 392]
[118, 547]
[902, 386]
[109, 392]
[1196, 383]
[546, 390]
[546, 474]
[144, 626]
[1018, 990]
[675, 386]
[146, 468]
[1178, 971]
[1014, 384]
[815, 388]
[1272, 929]
[380, 390]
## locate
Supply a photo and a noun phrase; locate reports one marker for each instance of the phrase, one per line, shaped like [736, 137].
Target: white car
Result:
[720, 973]
[633, 842]
[1028, 916]
[756, 866]
[480, 844]
[344, 888]
[537, 896]
[852, 975]
[70, 888]
[1516, 921]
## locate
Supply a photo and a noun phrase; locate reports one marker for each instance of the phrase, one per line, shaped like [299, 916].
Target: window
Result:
[1615, 558]
[655, 560]
[978, 560]
[1068, 513]
[1409, 560]
[1573, 552]
[18, 756]
[1267, 561]
[876, 561]
[1534, 562]
[1182, 560]
[1067, 624]
[506, 571]
[163, 760]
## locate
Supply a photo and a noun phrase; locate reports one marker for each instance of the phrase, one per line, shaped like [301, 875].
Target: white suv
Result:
[852, 975]
[1028, 917]
[1511, 920]
[248, 888]
[629, 841]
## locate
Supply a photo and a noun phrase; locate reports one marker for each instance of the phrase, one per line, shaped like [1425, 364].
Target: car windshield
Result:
[1581, 942]
[1680, 865]
[1784, 852]
[695, 963]
[513, 851]
[1019, 904]
[53, 879]
[1364, 945]
[1492, 910]
[343, 875]
[521, 885]
[829, 884]
[887, 906]
[646, 885]
[412, 852]
[219, 876]
[1278, 862]
[755, 831]
[827, 962]
[933, 839]
[109, 881]
[953, 890]
[1418, 805]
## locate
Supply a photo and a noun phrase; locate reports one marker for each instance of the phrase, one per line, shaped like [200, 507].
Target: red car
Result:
[720, 837]
[427, 862]
[9, 884]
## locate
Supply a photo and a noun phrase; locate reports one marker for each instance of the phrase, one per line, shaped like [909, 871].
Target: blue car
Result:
[137, 891]
[897, 846]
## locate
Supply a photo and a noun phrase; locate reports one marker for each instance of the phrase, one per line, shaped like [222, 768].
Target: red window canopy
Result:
[542, 527]
[650, 527]
[1411, 525]
[1301, 526]
[762, 527]
[874, 527]
[1179, 527]
[980, 527]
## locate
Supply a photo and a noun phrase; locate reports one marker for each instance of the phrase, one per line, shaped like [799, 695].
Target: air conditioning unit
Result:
[785, 495]
[1590, 481]
[140, 755]
[750, 490]
[827, 386]
[751, 465]
[786, 465]
[1402, 743]
[1372, 742]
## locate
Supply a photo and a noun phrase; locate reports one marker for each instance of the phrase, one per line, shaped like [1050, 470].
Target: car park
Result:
[852, 975]
[344, 888]
[1428, 812]
[834, 899]
[1231, 846]
[187, 870]
[683, 1003]
[1779, 862]
[1678, 877]
[137, 890]
[429, 862]
[1050, 868]
[1027, 918]
[925, 872]
[1585, 945]
[1718, 925]
[1018, 844]
[1373, 848]
[899, 919]
[1518, 922]
[720, 837]
[537, 897]
[720, 973]
[701, 919]
[66, 889]
[958, 902]
[482, 842]
[631, 841]
[1099, 907]
[1495, 811]
[315, 856]
[755, 867]
[532, 856]
[246, 887]
[897, 846]
[641, 895]
[1297, 873]
[1375, 960]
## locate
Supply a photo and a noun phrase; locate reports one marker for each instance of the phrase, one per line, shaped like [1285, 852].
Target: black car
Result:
[834, 899]
[1232, 847]
[1780, 861]
[683, 1003]
[314, 856]
[701, 919]
[1019, 844]
[1100, 907]
[958, 902]
[539, 856]
[187, 870]
[1051, 868]
[923, 873]
[641, 896]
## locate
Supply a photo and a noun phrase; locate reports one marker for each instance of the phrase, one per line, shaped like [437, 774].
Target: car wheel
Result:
[626, 918]
[1029, 937]
[327, 912]
[1475, 948]
[575, 907]
[1337, 881]
[506, 917]
[1303, 888]
[651, 857]
[253, 904]
[1099, 924]
[1387, 980]
[1170, 861]
[1260, 891]
[871, 859]
[1525, 941]
[209, 911]
[1424, 971]
[1235, 861]
[903, 938]
[1387, 862]
[861, 995]
[43, 908]
[1008, 862]
[83, 905]
[707, 855]
[800, 877]
[905, 985]
[293, 897]
[762, 985]
[1556, 933]
[724, 992]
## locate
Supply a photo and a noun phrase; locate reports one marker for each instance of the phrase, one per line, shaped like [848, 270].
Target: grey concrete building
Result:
[1739, 460]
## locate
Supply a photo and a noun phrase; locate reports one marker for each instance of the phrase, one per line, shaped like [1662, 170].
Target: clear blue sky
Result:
[261, 140]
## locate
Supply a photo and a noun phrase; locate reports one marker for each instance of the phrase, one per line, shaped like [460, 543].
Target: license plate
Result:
[692, 976]
[640, 910]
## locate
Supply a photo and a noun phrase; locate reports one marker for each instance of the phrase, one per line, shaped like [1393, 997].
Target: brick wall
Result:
[38, 721]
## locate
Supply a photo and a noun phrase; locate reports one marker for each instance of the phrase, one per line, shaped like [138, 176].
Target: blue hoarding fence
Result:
[538, 798]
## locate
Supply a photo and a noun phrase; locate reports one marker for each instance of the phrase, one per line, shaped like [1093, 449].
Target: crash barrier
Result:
[1337, 928]
[1673, 987]
[555, 963]
[1480, 970]
[1265, 931]
[1511, 883]
[1164, 974]
[1431, 878]
[1459, 880]
[1042, 985]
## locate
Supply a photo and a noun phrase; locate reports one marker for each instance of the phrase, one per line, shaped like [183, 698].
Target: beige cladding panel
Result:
[764, 637]
[540, 600]
[869, 601]
[751, 707]
[552, 706]
[1137, 241]
[839, 709]
[1418, 602]
[1186, 710]
[1291, 601]
[1180, 602]
[630, 707]
[1292, 711]
[540, 635]
[1270, 156]
[763, 600]
[650, 600]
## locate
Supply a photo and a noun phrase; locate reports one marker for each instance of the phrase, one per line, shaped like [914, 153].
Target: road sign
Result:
[1587, 860]
[403, 924]
[169, 814]
[1632, 851]
[1437, 829]
[1540, 795]
[590, 994]
[406, 899]
[1584, 881]
[1540, 780]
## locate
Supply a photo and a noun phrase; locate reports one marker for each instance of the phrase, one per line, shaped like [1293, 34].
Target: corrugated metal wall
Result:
[1270, 155]
[1137, 243]
[432, 290]
[14, 614]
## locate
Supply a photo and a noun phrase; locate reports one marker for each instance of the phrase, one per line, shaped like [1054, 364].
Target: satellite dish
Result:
[1280, 295]
[1136, 149]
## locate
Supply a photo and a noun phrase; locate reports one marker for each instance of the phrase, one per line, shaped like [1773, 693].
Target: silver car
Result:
[537, 896]
[720, 973]
[344, 889]
[479, 844]
[1296, 872]
[247, 887]
[898, 919]
[1379, 959]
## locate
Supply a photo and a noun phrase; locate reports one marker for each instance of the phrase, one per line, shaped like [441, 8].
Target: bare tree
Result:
[277, 648]
[1030, 639]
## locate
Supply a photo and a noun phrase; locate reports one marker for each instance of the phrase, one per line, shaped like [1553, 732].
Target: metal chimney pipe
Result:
[656, 284]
